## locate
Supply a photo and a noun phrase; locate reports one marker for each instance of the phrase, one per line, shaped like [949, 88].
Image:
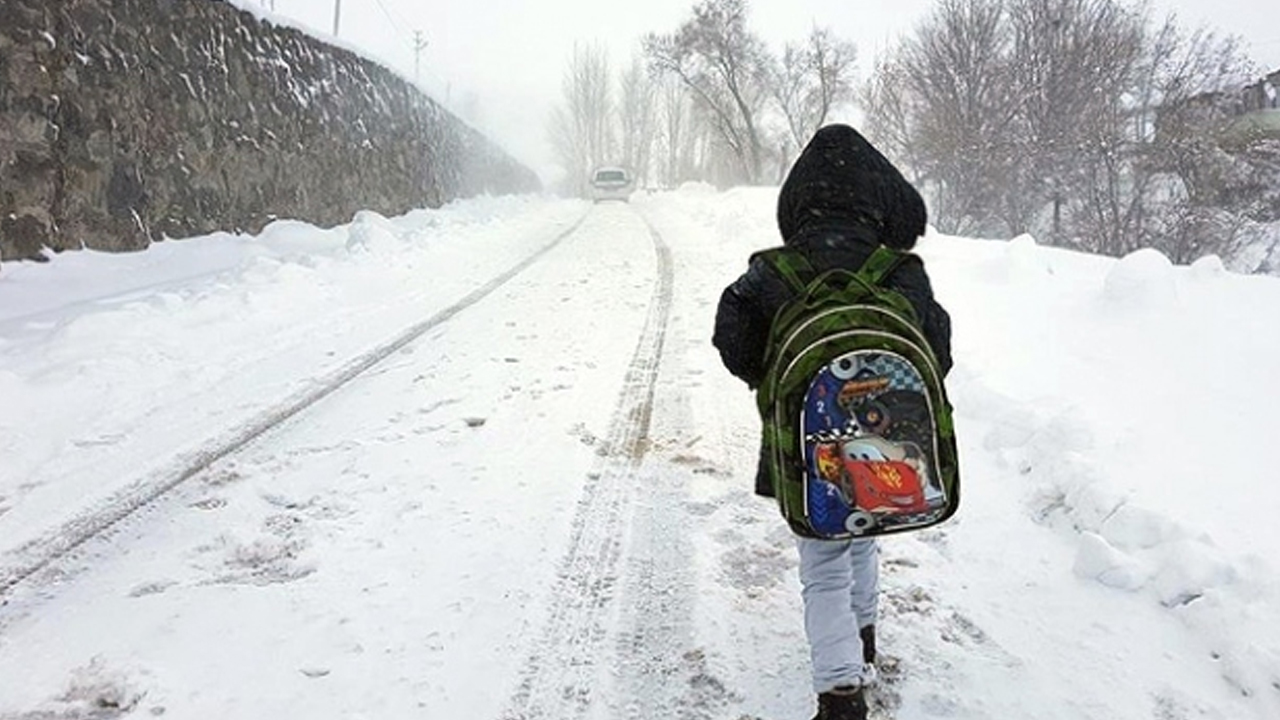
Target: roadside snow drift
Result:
[410, 546]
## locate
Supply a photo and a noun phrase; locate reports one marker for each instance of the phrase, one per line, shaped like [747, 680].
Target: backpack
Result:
[857, 438]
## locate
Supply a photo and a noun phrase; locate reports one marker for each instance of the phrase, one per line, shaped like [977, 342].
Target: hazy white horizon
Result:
[499, 63]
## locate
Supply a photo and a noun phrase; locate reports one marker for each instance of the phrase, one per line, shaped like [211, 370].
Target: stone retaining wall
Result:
[123, 122]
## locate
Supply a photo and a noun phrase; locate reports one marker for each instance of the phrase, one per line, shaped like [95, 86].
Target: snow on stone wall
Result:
[123, 122]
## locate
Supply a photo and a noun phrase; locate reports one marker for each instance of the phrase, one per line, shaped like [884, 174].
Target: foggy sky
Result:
[499, 63]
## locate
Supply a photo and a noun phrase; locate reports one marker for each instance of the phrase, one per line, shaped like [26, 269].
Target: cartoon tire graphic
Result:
[859, 522]
[844, 367]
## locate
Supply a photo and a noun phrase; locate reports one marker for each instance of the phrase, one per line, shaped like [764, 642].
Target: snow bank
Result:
[1142, 278]
[1134, 398]
[196, 338]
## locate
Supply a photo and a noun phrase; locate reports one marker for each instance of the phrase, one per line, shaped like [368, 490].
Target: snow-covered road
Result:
[538, 504]
[457, 463]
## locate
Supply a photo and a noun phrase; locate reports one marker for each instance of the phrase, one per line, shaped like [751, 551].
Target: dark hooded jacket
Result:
[841, 200]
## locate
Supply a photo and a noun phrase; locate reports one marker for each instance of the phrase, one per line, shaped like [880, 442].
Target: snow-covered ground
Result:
[537, 503]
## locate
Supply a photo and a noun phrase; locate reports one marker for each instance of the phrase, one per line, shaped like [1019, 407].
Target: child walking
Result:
[841, 200]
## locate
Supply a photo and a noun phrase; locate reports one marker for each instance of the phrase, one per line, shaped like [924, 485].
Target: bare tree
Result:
[683, 134]
[723, 65]
[956, 70]
[809, 80]
[1070, 118]
[1072, 63]
[674, 143]
[581, 130]
[638, 119]
[884, 102]
[1190, 193]
[674, 112]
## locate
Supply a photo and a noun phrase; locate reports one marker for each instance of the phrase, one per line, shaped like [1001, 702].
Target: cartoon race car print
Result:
[883, 476]
[873, 475]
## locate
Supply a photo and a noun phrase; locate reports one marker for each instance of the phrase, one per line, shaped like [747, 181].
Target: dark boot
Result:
[842, 703]
[868, 634]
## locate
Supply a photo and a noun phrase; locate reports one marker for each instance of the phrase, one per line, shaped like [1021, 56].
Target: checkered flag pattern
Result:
[900, 373]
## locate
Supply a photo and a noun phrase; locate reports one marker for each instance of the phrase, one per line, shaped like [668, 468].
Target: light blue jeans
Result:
[840, 582]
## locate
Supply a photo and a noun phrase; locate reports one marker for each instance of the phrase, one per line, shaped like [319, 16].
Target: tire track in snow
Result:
[561, 672]
[24, 562]
[660, 669]
[661, 672]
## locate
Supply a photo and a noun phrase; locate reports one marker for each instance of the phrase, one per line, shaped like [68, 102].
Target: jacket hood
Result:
[841, 181]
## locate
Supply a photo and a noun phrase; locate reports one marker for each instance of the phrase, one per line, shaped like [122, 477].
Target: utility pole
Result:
[419, 44]
[337, 13]
[1055, 47]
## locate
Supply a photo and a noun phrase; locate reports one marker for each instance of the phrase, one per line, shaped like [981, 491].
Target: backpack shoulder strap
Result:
[792, 266]
[880, 264]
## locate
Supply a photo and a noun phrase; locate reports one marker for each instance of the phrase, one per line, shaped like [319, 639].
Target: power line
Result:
[419, 44]
[397, 24]
[416, 43]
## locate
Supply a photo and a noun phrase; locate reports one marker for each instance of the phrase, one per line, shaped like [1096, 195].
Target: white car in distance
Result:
[611, 183]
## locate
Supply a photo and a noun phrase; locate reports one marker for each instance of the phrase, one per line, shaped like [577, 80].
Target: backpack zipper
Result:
[916, 332]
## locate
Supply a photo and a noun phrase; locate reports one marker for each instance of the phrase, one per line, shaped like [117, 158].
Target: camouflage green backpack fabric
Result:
[858, 436]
